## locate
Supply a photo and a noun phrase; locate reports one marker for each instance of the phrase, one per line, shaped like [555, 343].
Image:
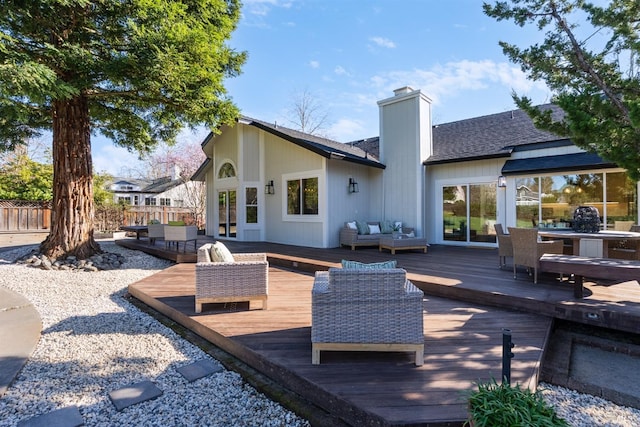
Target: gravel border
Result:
[95, 341]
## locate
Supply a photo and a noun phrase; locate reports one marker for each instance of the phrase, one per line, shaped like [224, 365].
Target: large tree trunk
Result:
[72, 224]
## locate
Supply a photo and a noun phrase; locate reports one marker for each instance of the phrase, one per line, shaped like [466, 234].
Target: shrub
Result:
[496, 404]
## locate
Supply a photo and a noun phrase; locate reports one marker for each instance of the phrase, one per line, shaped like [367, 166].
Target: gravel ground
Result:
[94, 341]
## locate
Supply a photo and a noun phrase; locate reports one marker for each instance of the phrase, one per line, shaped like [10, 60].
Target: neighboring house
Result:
[170, 195]
[451, 182]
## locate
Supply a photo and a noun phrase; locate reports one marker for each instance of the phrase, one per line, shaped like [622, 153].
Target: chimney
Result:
[403, 90]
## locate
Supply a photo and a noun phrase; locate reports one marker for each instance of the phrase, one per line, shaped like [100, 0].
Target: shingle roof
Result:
[323, 146]
[495, 135]
[157, 186]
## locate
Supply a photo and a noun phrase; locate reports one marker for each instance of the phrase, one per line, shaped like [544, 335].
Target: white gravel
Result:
[93, 341]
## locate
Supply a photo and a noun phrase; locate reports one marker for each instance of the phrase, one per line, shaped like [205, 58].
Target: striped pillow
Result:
[372, 266]
[220, 253]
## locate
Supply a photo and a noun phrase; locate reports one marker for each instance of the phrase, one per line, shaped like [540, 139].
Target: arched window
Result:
[226, 171]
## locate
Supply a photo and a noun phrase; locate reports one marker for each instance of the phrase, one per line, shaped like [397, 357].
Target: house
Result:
[166, 198]
[451, 182]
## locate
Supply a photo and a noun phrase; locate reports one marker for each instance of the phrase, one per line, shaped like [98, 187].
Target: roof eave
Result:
[466, 159]
[315, 149]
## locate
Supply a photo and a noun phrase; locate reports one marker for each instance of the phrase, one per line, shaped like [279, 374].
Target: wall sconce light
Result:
[269, 188]
[353, 186]
[502, 181]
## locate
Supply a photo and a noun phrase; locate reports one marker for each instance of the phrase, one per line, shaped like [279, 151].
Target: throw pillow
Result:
[363, 227]
[352, 225]
[386, 227]
[397, 226]
[362, 265]
[220, 253]
[374, 229]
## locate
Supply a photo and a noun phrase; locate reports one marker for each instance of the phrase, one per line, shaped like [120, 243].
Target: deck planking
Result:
[463, 344]
[468, 301]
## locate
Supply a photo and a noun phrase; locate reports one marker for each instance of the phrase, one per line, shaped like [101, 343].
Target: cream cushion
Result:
[374, 229]
[220, 253]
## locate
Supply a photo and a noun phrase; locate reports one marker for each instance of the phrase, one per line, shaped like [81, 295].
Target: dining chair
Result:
[527, 249]
[505, 248]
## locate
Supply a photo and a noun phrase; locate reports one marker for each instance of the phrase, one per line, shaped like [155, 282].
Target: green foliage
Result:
[592, 69]
[24, 179]
[101, 195]
[145, 67]
[504, 405]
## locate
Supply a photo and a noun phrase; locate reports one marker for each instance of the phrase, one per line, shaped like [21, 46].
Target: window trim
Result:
[318, 217]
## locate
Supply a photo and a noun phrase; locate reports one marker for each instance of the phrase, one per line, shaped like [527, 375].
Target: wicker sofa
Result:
[354, 237]
[244, 279]
[366, 310]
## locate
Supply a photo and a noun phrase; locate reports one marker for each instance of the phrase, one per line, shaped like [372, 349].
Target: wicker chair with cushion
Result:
[222, 277]
[505, 248]
[356, 309]
[527, 249]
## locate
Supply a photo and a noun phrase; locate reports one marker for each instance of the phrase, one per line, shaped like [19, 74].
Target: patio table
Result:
[604, 236]
[136, 229]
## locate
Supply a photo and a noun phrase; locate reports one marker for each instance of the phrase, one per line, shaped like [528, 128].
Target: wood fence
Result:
[24, 216]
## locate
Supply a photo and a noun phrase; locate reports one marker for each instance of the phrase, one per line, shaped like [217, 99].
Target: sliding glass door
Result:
[469, 213]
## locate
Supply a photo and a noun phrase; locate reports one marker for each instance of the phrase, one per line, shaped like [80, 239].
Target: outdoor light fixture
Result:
[269, 188]
[502, 181]
[353, 186]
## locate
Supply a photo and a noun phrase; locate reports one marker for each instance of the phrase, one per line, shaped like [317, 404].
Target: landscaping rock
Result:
[103, 261]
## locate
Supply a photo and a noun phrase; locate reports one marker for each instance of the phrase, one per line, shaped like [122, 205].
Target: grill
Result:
[586, 219]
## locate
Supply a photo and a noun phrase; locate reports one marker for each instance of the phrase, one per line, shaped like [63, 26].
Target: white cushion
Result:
[352, 225]
[398, 226]
[220, 253]
[374, 229]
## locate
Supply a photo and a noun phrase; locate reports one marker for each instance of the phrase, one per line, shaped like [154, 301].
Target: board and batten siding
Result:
[405, 139]
[344, 206]
[283, 161]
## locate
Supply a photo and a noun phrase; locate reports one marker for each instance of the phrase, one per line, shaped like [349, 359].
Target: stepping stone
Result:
[135, 393]
[65, 417]
[199, 369]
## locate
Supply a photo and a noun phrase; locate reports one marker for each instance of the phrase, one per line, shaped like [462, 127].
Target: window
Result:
[226, 171]
[302, 196]
[251, 195]
[124, 200]
[136, 200]
[179, 203]
[550, 201]
[165, 202]
[126, 187]
[150, 201]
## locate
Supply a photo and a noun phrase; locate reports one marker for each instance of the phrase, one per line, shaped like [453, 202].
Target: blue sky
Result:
[351, 53]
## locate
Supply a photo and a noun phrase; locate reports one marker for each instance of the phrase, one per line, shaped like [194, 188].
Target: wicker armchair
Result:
[245, 279]
[366, 310]
[505, 248]
[527, 250]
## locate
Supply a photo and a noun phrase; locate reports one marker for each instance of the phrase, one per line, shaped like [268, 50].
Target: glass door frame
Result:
[229, 212]
[467, 185]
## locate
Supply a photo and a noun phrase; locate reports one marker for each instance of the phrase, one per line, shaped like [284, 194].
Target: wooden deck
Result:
[468, 300]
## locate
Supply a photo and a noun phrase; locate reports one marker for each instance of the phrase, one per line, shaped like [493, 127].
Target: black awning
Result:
[566, 162]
